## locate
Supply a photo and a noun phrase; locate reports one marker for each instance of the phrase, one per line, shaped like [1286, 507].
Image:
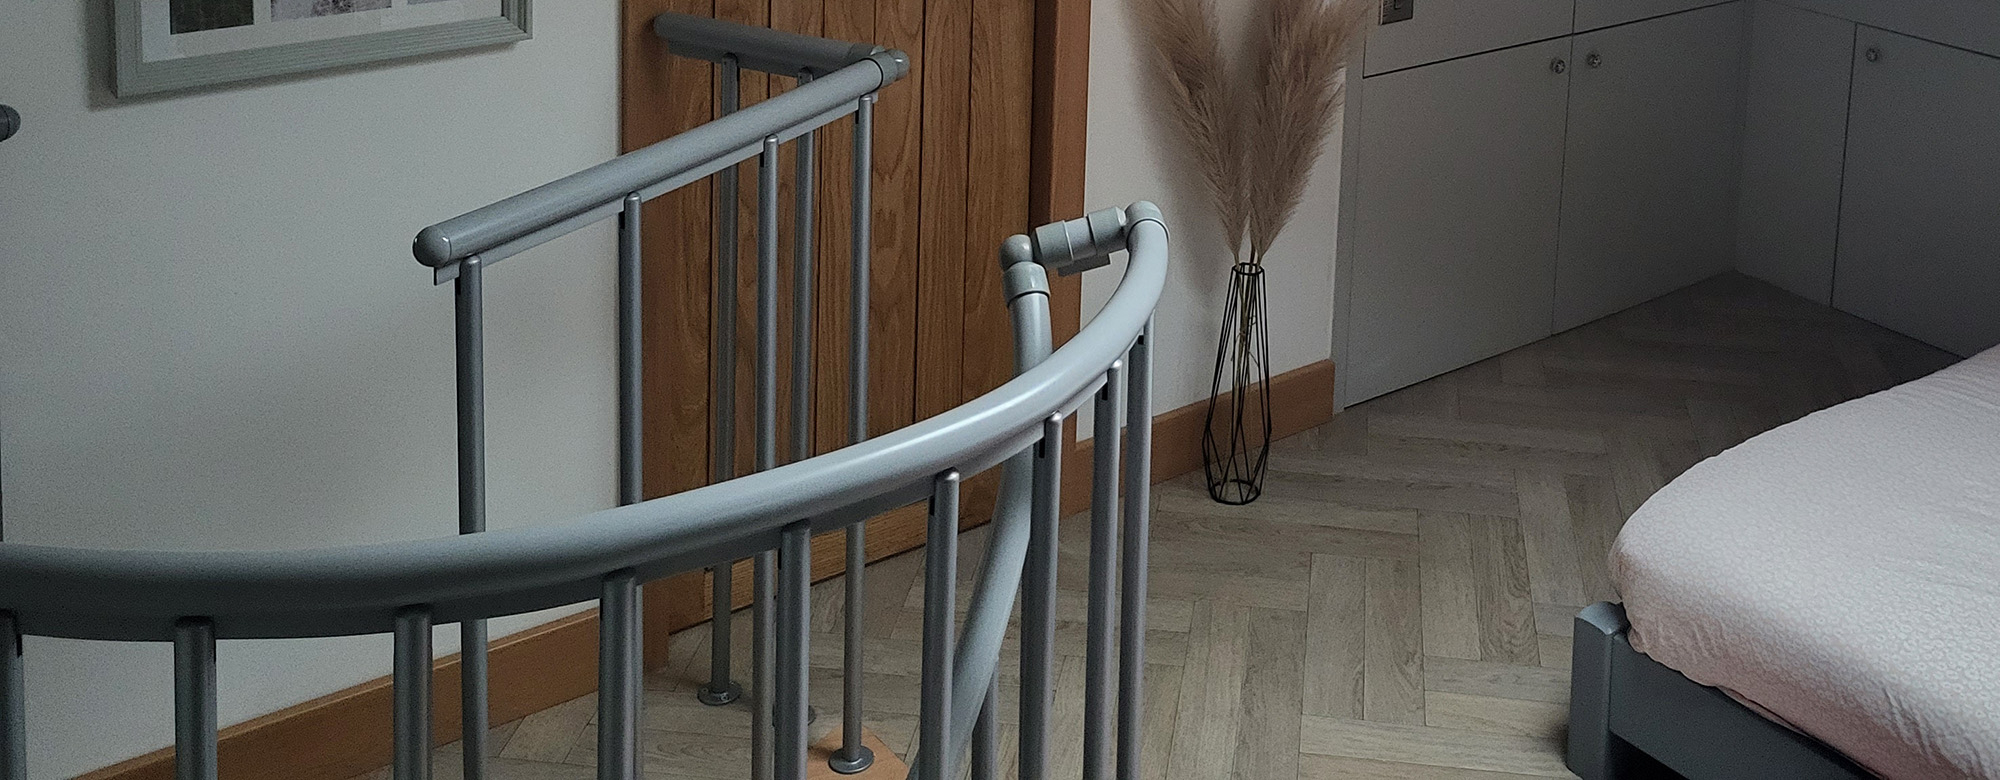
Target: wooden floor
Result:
[1398, 604]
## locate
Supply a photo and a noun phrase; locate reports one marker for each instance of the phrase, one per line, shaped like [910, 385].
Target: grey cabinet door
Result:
[1454, 216]
[1920, 214]
[1794, 148]
[1596, 14]
[1649, 193]
[1443, 29]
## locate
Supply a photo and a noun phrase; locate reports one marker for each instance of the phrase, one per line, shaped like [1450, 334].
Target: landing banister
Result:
[122, 594]
[756, 48]
[544, 213]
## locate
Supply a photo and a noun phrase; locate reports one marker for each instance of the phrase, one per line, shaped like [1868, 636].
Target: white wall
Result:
[1134, 157]
[212, 334]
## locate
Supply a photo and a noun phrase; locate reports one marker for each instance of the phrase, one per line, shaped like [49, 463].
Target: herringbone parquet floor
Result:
[1398, 604]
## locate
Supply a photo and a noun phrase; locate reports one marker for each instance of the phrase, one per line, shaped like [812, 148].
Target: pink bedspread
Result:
[1843, 573]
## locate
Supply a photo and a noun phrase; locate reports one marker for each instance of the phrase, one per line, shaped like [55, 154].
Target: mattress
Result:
[1842, 574]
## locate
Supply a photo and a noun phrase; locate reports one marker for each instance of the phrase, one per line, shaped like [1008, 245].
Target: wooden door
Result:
[1917, 242]
[1460, 170]
[981, 140]
[1650, 176]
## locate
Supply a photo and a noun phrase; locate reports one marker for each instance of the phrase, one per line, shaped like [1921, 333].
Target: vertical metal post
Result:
[802, 297]
[412, 684]
[631, 459]
[986, 736]
[1132, 590]
[794, 603]
[763, 606]
[720, 689]
[1098, 713]
[618, 678]
[1038, 605]
[763, 663]
[853, 757]
[940, 610]
[194, 700]
[13, 703]
[469, 309]
[767, 305]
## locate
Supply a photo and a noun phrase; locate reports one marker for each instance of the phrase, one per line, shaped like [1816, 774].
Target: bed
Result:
[1820, 601]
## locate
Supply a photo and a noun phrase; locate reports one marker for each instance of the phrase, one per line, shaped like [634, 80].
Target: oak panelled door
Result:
[984, 139]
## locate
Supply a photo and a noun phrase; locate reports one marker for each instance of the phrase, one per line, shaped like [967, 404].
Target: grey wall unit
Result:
[1649, 189]
[1456, 213]
[1794, 148]
[1920, 222]
[1444, 29]
[1595, 14]
[1966, 24]
[1461, 170]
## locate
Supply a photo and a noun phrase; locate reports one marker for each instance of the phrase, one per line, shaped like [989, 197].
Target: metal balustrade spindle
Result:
[411, 681]
[13, 714]
[1137, 530]
[620, 663]
[720, 689]
[763, 604]
[194, 700]
[631, 385]
[934, 762]
[1097, 677]
[468, 299]
[802, 297]
[794, 616]
[1038, 613]
[853, 757]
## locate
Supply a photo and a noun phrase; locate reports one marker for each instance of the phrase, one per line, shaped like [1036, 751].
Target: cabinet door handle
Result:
[1558, 65]
[1595, 60]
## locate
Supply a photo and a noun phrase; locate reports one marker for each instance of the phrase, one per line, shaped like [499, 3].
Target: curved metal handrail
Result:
[135, 595]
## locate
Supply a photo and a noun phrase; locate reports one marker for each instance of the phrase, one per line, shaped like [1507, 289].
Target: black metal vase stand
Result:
[1236, 439]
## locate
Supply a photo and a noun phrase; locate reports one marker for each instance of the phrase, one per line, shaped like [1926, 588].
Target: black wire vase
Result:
[1236, 441]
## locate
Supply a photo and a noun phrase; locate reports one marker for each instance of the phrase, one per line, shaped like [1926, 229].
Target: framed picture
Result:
[176, 44]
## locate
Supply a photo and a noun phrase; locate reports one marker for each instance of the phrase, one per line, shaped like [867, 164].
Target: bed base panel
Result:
[1633, 717]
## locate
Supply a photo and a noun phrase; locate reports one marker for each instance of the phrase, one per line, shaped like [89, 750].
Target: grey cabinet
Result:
[1454, 226]
[1443, 29]
[1649, 193]
[1594, 14]
[1794, 148]
[1920, 219]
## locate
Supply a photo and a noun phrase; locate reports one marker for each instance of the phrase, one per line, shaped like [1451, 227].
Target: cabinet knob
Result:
[1558, 65]
[1873, 54]
[1595, 60]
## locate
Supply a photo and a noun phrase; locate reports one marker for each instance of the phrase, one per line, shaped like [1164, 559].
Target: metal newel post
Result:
[794, 603]
[619, 666]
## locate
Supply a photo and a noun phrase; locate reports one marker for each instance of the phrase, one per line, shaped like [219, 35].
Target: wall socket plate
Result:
[1398, 10]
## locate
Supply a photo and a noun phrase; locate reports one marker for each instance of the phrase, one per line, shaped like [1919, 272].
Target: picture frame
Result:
[164, 45]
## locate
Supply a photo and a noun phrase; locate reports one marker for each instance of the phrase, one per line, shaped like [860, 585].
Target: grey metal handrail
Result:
[194, 599]
[135, 595]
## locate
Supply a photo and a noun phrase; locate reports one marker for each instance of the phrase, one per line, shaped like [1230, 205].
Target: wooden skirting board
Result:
[344, 734]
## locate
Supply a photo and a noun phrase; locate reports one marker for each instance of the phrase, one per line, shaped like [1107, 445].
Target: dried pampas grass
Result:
[1255, 149]
[1186, 50]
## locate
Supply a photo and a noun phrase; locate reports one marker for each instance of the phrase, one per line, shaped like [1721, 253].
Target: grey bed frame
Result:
[1630, 717]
